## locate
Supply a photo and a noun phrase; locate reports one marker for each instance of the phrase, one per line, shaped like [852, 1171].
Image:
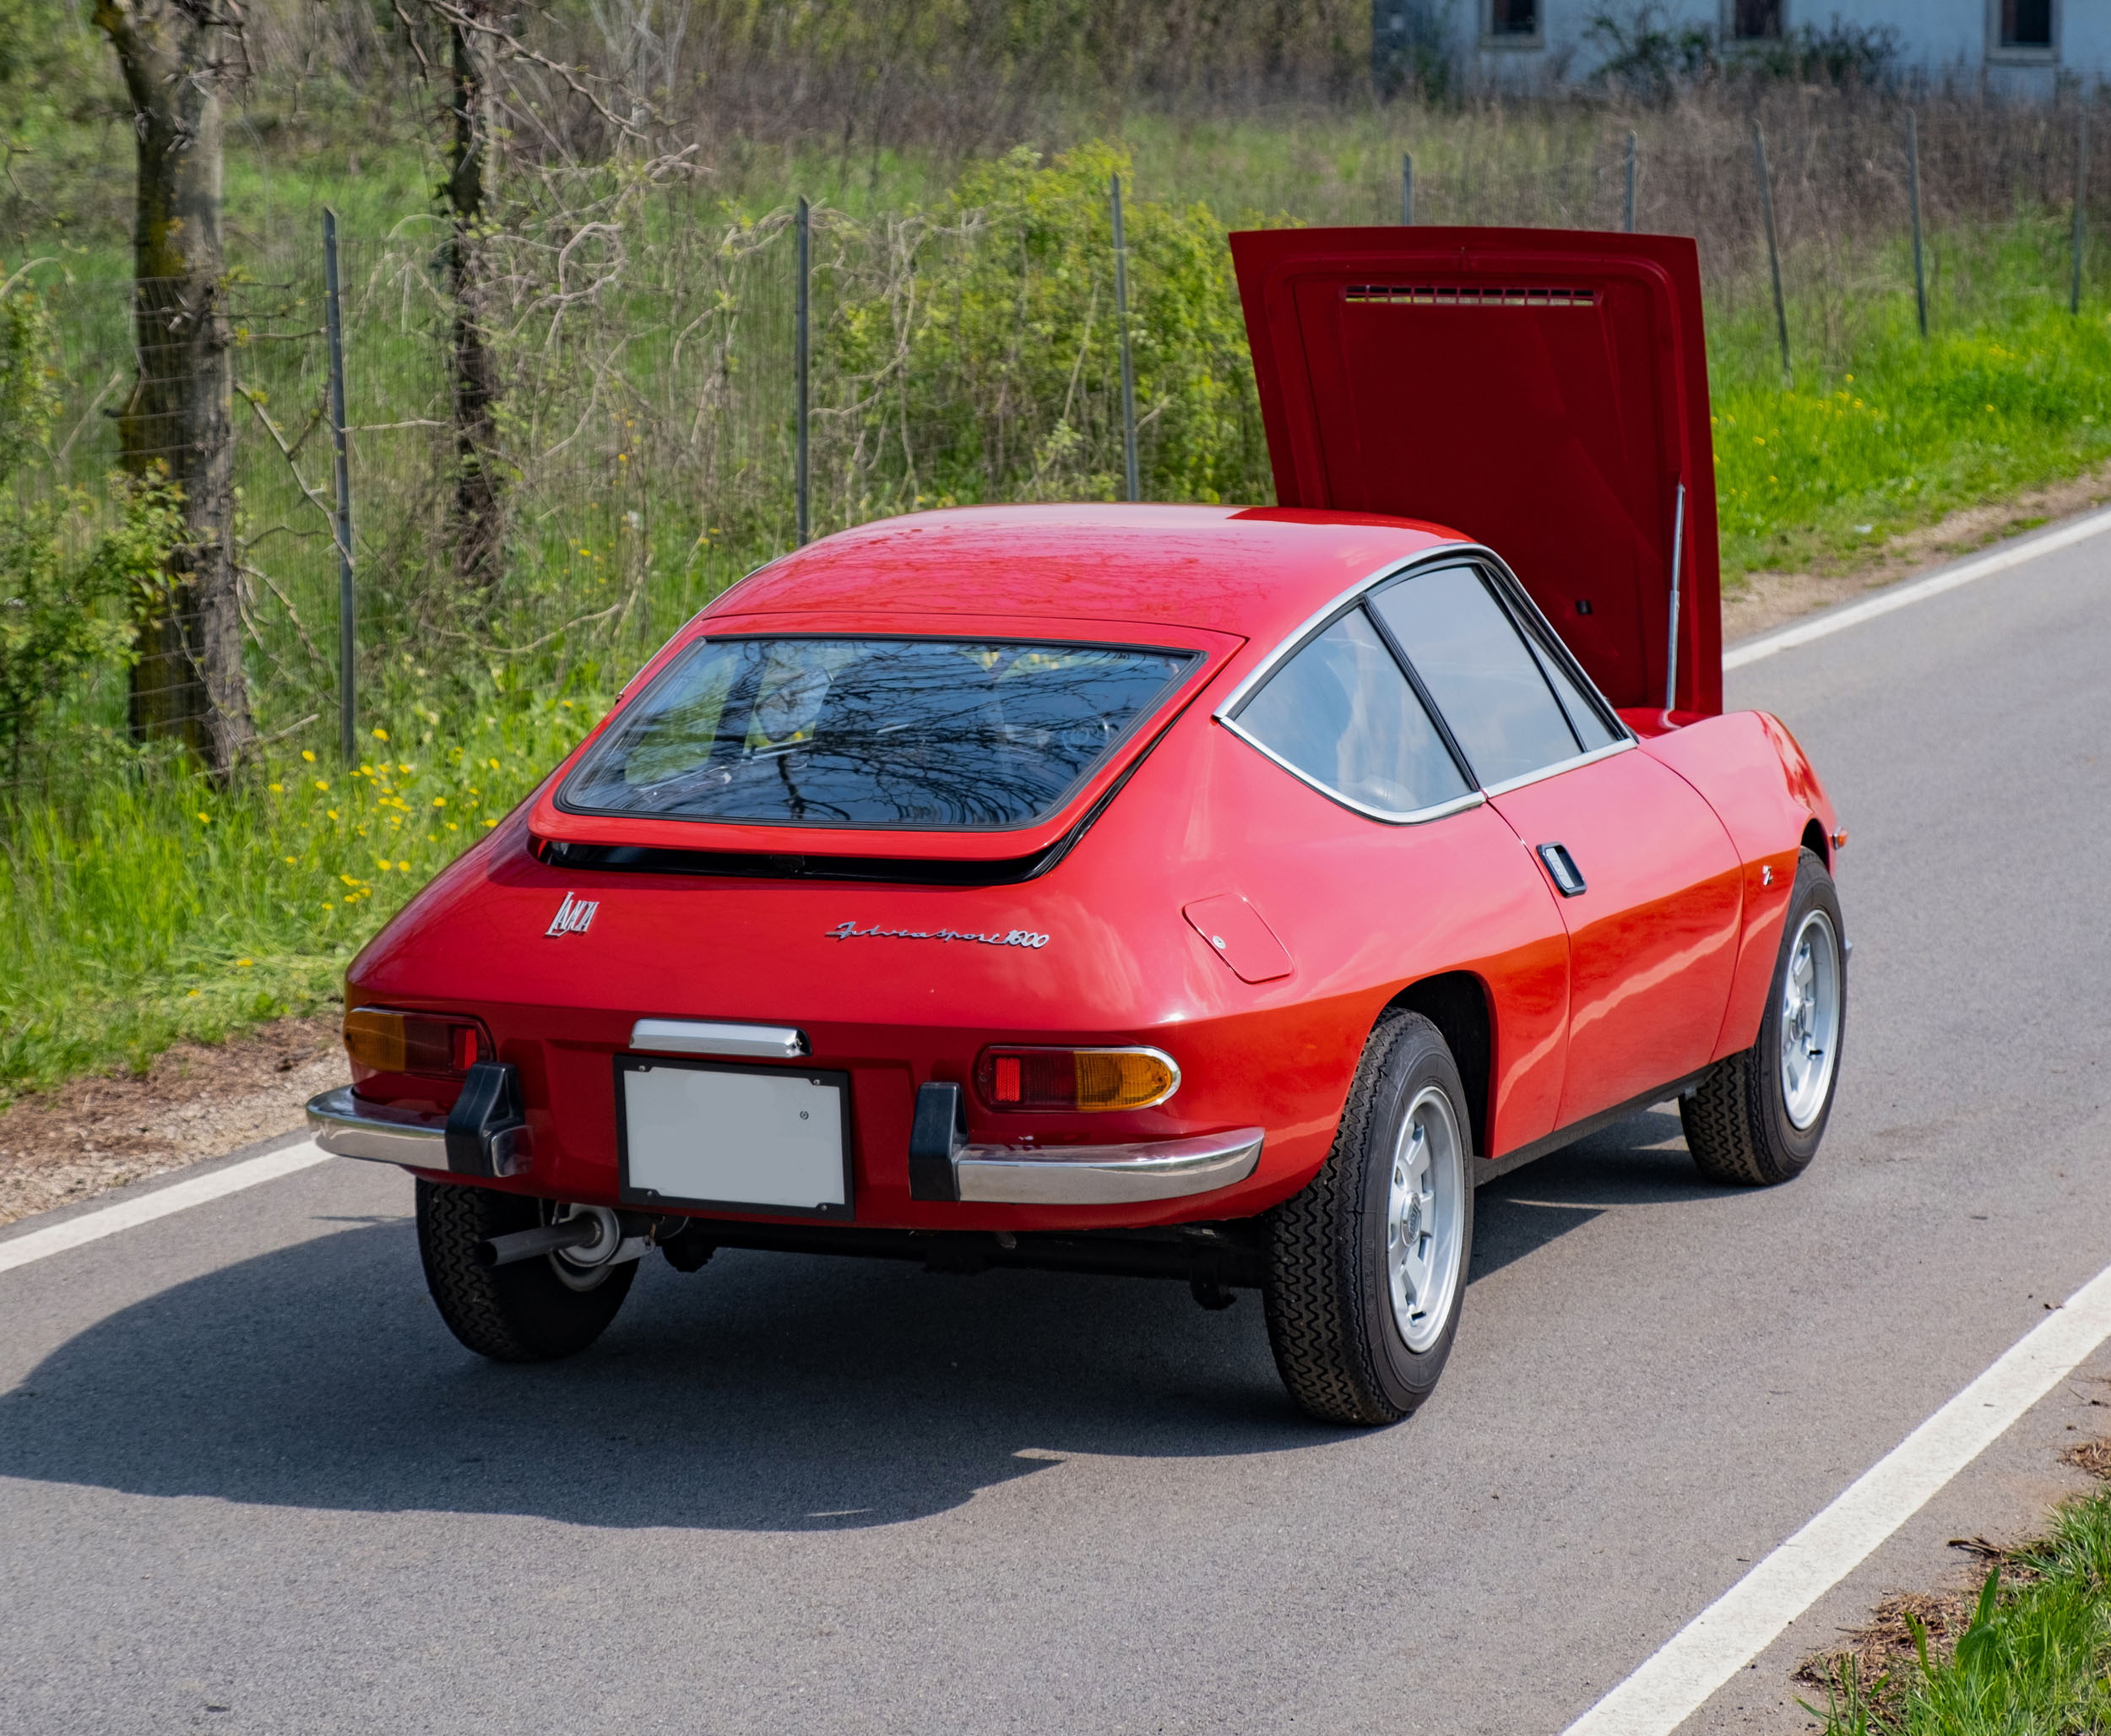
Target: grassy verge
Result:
[164, 909]
[1895, 430]
[2034, 1659]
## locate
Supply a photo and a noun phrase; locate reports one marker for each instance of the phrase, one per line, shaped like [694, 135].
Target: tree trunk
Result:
[188, 683]
[478, 507]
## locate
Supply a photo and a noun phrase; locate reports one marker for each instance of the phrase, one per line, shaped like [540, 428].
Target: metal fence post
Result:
[1406, 188]
[1913, 192]
[1627, 209]
[2081, 203]
[1128, 370]
[802, 357]
[347, 621]
[1773, 244]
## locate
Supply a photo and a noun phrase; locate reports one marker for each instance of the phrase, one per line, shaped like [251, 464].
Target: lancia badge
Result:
[572, 916]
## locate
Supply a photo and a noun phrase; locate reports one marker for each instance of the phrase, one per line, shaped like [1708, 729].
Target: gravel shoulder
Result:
[1766, 600]
[59, 1147]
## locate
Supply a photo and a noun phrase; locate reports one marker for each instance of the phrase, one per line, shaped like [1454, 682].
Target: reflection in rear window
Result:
[938, 733]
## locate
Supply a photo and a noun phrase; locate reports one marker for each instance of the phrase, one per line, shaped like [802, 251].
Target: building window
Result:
[2027, 29]
[1513, 20]
[1754, 20]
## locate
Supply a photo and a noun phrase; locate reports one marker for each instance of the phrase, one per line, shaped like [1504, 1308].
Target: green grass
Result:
[164, 909]
[1891, 430]
[2035, 1661]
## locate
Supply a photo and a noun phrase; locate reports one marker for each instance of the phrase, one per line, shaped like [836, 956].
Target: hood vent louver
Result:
[1467, 295]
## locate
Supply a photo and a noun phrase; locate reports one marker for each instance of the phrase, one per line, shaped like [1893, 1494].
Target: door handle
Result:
[1562, 871]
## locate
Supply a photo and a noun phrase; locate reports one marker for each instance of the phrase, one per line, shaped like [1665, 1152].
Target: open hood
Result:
[1543, 391]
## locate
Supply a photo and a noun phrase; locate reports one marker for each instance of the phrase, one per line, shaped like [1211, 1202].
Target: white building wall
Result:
[1941, 39]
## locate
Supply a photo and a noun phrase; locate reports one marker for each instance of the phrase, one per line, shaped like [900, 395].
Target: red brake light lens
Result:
[429, 1043]
[1074, 1079]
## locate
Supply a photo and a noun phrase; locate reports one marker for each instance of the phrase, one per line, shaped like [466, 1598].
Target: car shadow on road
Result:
[1643, 1160]
[767, 1392]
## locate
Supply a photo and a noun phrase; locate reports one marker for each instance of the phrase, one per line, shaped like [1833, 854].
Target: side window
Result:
[1584, 717]
[1341, 712]
[1489, 685]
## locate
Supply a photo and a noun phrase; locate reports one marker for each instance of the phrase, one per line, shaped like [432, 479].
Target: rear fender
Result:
[1762, 784]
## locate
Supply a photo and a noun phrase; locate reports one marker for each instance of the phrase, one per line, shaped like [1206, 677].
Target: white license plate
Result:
[702, 1133]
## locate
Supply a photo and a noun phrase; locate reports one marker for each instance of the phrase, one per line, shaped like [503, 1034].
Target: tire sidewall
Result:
[1813, 891]
[1417, 1059]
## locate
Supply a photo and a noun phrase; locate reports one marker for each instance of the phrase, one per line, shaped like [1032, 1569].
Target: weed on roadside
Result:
[2027, 1652]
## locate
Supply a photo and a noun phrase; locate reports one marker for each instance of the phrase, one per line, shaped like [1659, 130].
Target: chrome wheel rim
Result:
[1809, 1019]
[1425, 1211]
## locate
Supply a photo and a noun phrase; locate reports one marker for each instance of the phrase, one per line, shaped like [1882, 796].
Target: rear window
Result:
[944, 734]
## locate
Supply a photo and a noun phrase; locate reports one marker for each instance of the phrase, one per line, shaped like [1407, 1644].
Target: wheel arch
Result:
[1815, 841]
[1456, 1003]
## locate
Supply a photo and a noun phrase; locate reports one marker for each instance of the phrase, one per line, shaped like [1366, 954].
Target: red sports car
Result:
[1184, 891]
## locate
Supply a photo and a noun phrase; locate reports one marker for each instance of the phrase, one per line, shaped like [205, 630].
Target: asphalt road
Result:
[247, 1483]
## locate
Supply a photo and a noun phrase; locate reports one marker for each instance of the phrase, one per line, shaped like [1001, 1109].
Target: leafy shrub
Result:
[998, 377]
[71, 570]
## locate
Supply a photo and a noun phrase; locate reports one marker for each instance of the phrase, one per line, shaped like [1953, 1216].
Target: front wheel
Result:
[534, 1310]
[1367, 1265]
[1757, 1117]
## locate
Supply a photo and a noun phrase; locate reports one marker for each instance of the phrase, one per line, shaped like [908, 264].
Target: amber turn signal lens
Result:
[1076, 1078]
[412, 1042]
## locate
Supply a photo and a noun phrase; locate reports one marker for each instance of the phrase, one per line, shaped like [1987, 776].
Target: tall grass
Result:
[165, 909]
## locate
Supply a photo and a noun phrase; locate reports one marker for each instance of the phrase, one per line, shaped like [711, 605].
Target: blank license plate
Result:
[704, 1133]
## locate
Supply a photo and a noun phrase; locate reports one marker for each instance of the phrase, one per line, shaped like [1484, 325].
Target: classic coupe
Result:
[1184, 891]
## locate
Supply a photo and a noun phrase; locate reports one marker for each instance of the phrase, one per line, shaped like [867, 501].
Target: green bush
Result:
[70, 569]
[1001, 380]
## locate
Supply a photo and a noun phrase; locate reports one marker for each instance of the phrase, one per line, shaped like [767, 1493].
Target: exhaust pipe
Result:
[591, 1236]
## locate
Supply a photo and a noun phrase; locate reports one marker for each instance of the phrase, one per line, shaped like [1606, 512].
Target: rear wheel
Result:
[530, 1311]
[1757, 1118]
[1367, 1265]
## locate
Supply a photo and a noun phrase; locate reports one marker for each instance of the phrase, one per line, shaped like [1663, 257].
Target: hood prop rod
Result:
[1677, 560]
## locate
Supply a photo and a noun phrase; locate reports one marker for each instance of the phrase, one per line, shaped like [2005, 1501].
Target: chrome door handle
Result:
[1562, 871]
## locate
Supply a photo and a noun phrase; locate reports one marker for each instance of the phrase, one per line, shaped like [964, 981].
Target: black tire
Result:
[1737, 1121]
[1338, 1344]
[524, 1312]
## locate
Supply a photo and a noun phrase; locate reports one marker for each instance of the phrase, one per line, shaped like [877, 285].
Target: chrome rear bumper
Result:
[347, 1128]
[985, 1174]
[1104, 1175]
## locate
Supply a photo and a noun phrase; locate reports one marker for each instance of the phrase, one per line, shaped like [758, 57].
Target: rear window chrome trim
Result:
[1515, 596]
[1414, 817]
[1324, 617]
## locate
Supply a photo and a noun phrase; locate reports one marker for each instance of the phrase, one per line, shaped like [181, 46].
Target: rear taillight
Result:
[1021, 1079]
[426, 1043]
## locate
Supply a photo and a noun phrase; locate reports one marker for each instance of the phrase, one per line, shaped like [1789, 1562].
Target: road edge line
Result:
[1686, 1673]
[2015, 554]
[162, 1202]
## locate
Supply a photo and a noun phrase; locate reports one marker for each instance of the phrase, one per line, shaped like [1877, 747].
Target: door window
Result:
[1585, 717]
[1491, 687]
[1342, 715]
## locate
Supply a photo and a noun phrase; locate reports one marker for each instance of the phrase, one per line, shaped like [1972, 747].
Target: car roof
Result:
[1255, 571]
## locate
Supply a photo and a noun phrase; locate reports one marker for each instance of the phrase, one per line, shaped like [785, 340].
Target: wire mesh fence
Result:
[636, 447]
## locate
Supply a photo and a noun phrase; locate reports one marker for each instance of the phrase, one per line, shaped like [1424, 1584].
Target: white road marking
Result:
[2014, 555]
[1675, 1684]
[144, 1208]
